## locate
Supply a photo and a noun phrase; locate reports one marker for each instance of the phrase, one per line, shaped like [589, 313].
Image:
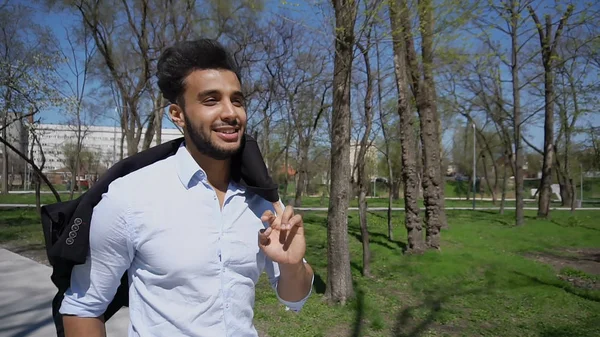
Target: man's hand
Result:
[283, 241]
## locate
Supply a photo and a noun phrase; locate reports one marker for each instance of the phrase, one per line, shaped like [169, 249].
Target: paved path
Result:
[26, 294]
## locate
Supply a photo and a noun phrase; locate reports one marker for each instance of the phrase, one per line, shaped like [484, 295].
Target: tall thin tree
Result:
[339, 276]
[548, 46]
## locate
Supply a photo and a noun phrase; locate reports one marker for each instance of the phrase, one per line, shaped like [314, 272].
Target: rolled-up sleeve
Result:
[94, 283]
[272, 270]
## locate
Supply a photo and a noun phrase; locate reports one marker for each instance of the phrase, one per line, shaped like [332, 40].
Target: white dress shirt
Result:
[192, 266]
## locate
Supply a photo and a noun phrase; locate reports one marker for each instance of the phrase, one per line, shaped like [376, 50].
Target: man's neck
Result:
[217, 171]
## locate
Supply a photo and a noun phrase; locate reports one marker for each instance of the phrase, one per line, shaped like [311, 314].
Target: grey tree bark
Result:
[408, 139]
[339, 273]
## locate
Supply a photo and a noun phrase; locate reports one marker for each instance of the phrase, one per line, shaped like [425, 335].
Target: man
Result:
[193, 241]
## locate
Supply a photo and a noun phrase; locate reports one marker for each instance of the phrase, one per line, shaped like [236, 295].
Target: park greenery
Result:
[490, 278]
[393, 104]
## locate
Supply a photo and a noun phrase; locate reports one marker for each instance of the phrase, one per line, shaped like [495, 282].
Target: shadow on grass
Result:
[14, 220]
[406, 323]
[359, 314]
[407, 326]
[564, 225]
[379, 239]
[579, 329]
[10, 236]
[319, 284]
[581, 293]
[379, 214]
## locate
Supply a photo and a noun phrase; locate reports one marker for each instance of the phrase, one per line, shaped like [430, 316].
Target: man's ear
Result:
[176, 113]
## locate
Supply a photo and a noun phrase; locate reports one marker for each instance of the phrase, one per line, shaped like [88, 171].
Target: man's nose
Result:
[229, 111]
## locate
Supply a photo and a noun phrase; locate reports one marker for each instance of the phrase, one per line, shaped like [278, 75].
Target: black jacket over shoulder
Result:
[66, 224]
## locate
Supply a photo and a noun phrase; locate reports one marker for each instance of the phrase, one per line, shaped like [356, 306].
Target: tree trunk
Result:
[302, 173]
[573, 198]
[74, 174]
[158, 121]
[408, 139]
[565, 191]
[286, 180]
[150, 131]
[363, 181]
[364, 231]
[487, 180]
[564, 179]
[387, 149]
[389, 210]
[548, 48]
[495, 189]
[122, 146]
[324, 193]
[469, 187]
[504, 186]
[38, 196]
[516, 91]
[339, 272]
[429, 137]
[5, 187]
[546, 181]
[425, 8]
[396, 190]
[391, 184]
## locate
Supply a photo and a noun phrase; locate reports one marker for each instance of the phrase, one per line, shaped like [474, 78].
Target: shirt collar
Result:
[190, 173]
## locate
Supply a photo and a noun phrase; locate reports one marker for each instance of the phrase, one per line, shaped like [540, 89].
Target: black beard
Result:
[204, 145]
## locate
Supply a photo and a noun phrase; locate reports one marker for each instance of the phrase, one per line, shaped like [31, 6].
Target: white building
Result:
[105, 141]
[370, 157]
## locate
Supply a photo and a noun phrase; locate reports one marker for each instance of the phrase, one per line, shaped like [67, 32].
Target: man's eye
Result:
[239, 102]
[210, 100]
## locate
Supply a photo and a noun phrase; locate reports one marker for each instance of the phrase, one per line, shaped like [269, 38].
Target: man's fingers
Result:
[288, 213]
[296, 221]
[263, 236]
[278, 208]
[268, 216]
[296, 224]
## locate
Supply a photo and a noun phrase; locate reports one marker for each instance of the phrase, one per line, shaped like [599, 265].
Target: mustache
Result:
[233, 123]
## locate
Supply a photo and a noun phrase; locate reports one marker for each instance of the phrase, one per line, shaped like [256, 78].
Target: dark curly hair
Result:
[179, 60]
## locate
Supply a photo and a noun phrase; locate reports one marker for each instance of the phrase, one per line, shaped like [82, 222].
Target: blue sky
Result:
[308, 15]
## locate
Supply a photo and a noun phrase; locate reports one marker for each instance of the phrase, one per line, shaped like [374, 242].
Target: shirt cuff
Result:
[295, 306]
[77, 307]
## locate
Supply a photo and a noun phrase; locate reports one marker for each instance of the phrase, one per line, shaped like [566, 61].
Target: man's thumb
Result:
[263, 236]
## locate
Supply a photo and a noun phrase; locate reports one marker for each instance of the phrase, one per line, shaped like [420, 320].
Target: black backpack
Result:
[66, 224]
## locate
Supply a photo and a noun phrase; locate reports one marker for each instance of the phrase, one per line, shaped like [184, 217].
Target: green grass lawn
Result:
[486, 280]
[383, 202]
[21, 229]
[480, 284]
[306, 201]
[29, 198]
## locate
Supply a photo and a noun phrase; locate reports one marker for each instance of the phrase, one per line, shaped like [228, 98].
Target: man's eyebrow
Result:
[208, 92]
[239, 94]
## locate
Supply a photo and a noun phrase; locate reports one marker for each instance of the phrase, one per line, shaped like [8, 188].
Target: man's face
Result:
[214, 117]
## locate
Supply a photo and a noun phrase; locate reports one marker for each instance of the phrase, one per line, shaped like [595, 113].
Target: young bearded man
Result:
[193, 241]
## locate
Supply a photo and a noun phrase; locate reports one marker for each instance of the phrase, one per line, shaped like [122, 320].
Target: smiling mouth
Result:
[227, 131]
